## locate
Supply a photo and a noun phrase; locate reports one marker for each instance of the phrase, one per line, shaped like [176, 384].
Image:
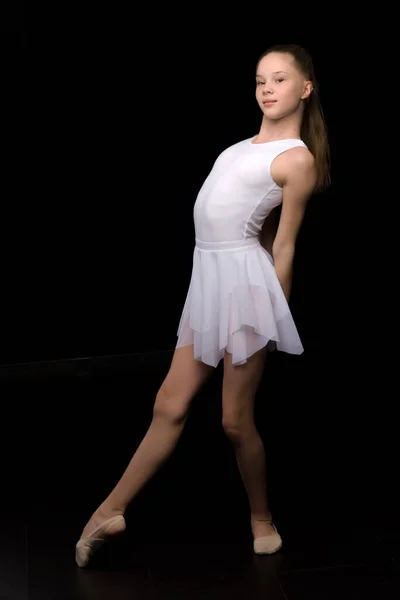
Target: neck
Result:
[279, 130]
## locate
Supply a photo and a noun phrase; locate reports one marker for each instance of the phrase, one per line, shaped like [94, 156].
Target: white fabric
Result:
[235, 302]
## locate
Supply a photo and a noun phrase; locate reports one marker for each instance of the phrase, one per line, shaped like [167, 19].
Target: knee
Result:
[235, 428]
[170, 408]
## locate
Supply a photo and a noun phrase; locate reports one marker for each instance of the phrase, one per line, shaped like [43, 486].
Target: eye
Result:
[259, 83]
[280, 79]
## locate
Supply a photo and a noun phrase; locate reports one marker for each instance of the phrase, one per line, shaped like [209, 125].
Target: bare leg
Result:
[183, 381]
[158, 443]
[239, 390]
[250, 457]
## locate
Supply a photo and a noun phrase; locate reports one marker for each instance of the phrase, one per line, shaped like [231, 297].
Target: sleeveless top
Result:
[239, 192]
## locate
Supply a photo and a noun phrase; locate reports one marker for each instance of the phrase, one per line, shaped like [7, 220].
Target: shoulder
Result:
[293, 166]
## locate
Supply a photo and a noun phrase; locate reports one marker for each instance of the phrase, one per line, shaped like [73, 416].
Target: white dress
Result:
[235, 302]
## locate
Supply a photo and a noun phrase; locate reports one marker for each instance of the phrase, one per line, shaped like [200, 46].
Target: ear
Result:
[307, 89]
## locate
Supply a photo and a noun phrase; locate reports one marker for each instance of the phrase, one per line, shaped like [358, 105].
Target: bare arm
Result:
[295, 171]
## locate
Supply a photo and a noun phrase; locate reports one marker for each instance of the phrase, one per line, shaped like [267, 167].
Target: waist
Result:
[230, 246]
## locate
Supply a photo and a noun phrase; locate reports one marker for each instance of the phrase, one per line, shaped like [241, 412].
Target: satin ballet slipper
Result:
[268, 544]
[87, 546]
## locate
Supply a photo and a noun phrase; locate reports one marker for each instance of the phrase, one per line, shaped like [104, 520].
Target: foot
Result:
[103, 513]
[262, 527]
[266, 538]
[102, 525]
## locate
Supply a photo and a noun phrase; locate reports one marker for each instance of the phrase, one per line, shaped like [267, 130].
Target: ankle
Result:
[107, 509]
[265, 517]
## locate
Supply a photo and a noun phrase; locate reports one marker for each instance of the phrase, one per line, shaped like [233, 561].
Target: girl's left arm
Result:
[298, 175]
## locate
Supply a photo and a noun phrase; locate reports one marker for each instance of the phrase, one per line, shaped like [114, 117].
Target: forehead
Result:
[276, 61]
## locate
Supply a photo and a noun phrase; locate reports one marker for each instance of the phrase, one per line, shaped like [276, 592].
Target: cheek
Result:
[290, 93]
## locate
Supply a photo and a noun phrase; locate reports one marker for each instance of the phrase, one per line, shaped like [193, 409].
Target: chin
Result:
[276, 114]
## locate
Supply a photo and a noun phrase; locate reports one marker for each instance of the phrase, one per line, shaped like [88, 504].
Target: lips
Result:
[269, 102]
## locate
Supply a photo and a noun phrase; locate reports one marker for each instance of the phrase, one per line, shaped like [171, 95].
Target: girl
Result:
[236, 307]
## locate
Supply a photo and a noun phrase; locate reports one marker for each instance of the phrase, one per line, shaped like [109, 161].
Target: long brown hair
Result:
[313, 128]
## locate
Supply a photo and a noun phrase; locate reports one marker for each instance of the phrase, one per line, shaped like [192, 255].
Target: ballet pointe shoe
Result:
[268, 544]
[86, 547]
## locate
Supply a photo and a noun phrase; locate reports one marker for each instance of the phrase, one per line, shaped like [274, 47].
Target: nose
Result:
[267, 89]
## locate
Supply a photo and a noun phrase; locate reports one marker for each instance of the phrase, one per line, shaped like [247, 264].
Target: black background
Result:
[112, 132]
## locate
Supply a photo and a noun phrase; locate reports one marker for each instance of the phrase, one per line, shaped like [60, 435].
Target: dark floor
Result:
[188, 536]
[203, 560]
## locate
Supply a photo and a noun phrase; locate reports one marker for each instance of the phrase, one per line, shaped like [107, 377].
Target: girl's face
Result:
[280, 86]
